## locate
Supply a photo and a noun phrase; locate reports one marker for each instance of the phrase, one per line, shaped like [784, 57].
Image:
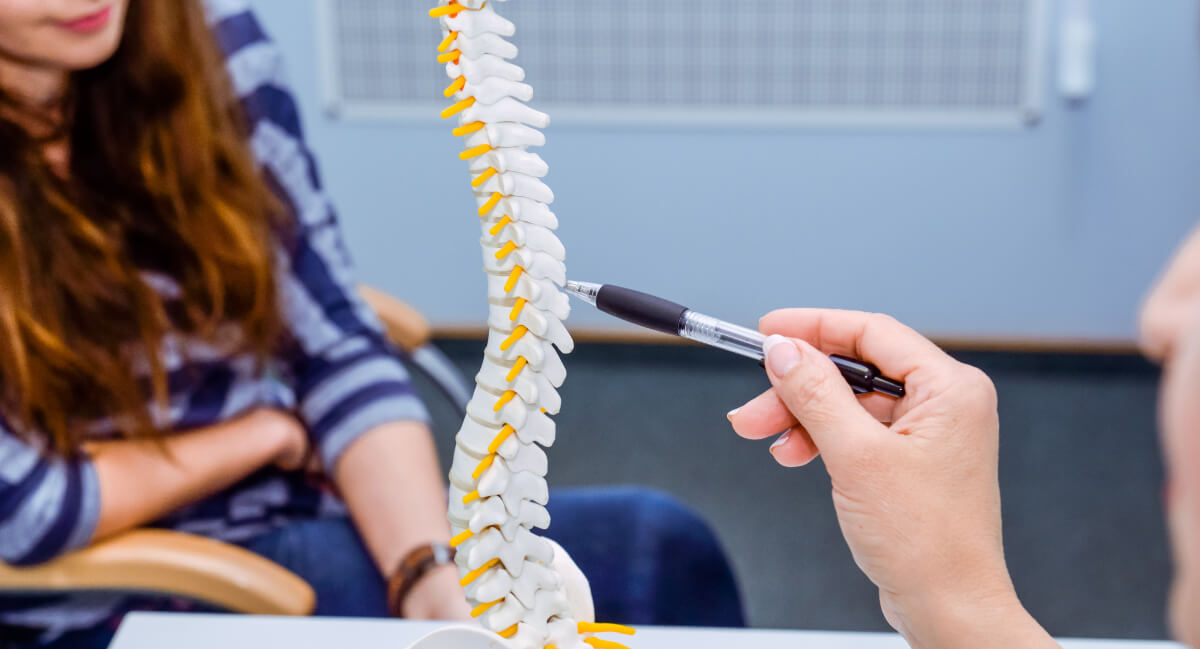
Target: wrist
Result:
[276, 430]
[984, 618]
[279, 429]
[421, 581]
[431, 595]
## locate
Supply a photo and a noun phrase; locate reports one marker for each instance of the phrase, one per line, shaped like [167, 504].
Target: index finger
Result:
[894, 348]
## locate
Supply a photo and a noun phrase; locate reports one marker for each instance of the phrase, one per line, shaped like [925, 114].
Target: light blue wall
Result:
[1044, 233]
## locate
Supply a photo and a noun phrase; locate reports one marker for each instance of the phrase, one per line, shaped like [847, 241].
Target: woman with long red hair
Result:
[178, 325]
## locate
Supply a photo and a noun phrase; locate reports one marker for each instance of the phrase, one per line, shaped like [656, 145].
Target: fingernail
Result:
[729, 415]
[781, 354]
[781, 440]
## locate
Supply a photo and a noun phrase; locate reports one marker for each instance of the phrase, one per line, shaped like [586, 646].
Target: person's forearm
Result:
[139, 482]
[391, 480]
[392, 483]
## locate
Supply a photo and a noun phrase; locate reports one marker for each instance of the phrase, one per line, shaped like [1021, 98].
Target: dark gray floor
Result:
[1080, 473]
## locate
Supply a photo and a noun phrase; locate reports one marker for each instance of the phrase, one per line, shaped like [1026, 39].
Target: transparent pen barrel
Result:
[730, 337]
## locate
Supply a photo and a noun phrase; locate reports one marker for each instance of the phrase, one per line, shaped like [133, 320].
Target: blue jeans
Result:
[649, 559]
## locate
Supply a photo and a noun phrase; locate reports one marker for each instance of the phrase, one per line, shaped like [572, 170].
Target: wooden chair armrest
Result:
[405, 326]
[172, 563]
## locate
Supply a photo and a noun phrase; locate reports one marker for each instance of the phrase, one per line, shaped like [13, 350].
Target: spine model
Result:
[498, 486]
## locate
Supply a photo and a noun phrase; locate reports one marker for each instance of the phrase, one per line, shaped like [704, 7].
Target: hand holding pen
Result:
[914, 480]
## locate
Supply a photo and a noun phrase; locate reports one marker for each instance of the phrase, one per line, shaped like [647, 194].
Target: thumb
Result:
[813, 389]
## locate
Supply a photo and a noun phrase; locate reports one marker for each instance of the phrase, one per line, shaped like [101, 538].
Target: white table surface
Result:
[198, 631]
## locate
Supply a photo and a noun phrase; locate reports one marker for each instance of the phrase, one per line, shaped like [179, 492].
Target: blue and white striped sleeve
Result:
[347, 379]
[48, 505]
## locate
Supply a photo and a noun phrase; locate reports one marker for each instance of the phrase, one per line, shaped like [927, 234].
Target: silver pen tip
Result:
[585, 291]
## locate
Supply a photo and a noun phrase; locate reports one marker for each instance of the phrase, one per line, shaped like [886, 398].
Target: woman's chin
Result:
[84, 56]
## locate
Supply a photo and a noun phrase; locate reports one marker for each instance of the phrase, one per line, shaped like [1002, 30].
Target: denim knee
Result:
[650, 558]
[329, 554]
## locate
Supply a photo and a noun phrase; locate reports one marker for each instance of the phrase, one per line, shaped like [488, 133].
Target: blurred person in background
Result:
[179, 330]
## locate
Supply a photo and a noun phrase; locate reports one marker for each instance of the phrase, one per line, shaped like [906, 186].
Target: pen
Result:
[668, 317]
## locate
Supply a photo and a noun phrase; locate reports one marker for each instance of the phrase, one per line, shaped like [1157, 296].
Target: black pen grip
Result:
[865, 377]
[641, 308]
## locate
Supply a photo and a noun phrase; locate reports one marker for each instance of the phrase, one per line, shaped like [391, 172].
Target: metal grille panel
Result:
[877, 59]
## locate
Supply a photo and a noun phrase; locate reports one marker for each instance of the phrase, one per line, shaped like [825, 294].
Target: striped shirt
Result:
[337, 373]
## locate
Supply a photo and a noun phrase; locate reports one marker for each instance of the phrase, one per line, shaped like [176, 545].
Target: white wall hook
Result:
[1077, 50]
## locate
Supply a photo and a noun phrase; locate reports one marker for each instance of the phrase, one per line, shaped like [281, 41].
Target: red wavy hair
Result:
[160, 182]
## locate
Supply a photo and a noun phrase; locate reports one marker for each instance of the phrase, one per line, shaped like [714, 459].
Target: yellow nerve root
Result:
[454, 87]
[449, 57]
[475, 152]
[455, 109]
[501, 437]
[471, 497]
[604, 644]
[504, 399]
[461, 538]
[452, 8]
[467, 129]
[445, 44]
[483, 466]
[516, 335]
[474, 574]
[483, 177]
[594, 627]
[491, 202]
[482, 608]
[496, 229]
[512, 279]
[509, 632]
[508, 248]
[516, 369]
[516, 310]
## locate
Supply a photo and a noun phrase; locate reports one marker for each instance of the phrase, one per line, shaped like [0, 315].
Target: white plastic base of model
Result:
[462, 637]
[578, 590]
[579, 594]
